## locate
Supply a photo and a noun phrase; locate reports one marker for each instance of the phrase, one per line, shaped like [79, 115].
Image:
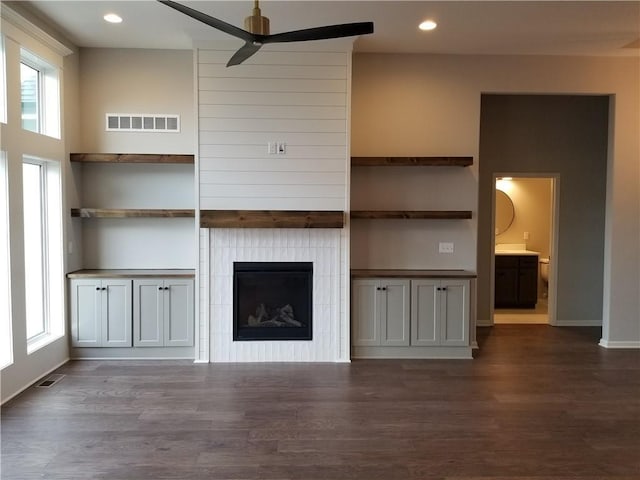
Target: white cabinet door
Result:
[86, 313]
[454, 313]
[425, 326]
[163, 312]
[116, 313]
[178, 313]
[365, 316]
[380, 312]
[100, 313]
[440, 312]
[148, 312]
[393, 295]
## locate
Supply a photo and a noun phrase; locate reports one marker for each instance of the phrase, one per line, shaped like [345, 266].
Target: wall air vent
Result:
[142, 122]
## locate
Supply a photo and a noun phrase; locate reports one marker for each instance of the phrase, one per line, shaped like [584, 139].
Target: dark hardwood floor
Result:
[536, 403]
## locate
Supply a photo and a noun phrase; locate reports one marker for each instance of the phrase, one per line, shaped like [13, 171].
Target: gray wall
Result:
[554, 134]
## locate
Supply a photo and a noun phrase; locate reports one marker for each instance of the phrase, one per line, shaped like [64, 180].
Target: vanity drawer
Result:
[528, 261]
[507, 261]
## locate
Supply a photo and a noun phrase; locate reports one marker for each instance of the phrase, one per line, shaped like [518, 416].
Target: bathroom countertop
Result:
[517, 252]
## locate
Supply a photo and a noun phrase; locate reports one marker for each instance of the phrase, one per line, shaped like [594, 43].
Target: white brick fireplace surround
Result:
[324, 247]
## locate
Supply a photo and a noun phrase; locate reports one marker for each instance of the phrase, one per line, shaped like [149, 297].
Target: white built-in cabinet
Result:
[421, 317]
[381, 312]
[101, 312]
[163, 312]
[132, 308]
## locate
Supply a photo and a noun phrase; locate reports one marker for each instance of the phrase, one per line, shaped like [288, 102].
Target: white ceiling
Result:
[469, 27]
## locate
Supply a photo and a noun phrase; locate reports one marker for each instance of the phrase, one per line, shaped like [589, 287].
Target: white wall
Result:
[295, 97]
[430, 105]
[409, 244]
[135, 81]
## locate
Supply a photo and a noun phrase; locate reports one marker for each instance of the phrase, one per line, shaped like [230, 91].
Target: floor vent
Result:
[50, 381]
[142, 122]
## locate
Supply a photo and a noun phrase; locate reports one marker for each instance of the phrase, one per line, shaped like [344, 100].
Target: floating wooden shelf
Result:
[130, 158]
[271, 219]
[411, 161]
[131, 213]
[412, 214]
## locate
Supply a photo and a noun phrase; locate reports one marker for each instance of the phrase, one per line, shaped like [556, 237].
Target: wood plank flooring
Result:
[537, 403]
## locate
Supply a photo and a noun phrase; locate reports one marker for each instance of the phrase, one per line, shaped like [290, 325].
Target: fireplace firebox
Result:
[272, 301]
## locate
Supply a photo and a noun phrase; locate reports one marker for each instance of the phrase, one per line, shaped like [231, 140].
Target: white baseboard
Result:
[22, 389]
[613, 344]
[578, 323]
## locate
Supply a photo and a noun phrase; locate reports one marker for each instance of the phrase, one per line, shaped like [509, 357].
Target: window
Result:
[42, 208]
[39, 95]
[34, 252]
[6, 340]
[30, 97]
[3, 83]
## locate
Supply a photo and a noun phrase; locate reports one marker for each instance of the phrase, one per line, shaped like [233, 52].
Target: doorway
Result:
[524, 210]
[564, 136]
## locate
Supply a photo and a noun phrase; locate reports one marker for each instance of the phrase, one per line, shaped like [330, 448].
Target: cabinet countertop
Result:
[413, 274]
[133, 273]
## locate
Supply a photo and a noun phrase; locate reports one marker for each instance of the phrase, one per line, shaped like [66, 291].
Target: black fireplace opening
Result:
[272, 301]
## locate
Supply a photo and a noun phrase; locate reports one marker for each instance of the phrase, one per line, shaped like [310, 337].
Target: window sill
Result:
[42, 341]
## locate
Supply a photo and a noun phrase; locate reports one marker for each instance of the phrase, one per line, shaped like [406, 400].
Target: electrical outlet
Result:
[271, 148]
[282, 148]
[445, 247]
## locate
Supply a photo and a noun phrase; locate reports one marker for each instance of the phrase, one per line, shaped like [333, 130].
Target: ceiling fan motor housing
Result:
[256, 23]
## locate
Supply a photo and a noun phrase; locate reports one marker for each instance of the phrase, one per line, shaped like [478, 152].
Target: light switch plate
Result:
[445, 247]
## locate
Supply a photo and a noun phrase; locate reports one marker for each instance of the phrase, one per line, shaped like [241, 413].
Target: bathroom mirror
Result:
[504, 212]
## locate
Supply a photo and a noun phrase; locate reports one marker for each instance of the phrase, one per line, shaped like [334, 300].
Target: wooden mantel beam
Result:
[271, 219]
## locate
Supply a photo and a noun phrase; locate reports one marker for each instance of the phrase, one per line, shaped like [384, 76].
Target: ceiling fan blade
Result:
[243, 53]
[211, 21]
[321, 33]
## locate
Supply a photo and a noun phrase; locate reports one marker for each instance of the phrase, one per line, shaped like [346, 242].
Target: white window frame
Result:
[53, 270]
[43, 253]
[6, 337]
[3, 82]
[48, 93]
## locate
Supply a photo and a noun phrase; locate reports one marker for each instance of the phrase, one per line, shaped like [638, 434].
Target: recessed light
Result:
[112, 18]
[427, 25]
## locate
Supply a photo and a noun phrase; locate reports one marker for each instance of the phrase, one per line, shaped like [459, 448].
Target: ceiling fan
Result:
[256, 31]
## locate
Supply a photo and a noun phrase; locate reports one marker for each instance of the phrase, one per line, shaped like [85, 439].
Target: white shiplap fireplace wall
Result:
[301, 98]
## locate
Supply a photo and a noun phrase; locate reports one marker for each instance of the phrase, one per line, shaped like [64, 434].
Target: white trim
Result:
[578, 323]
[130, 358]
[33, 31]
[203, 353]
[22, 389]
[614, 344]
[445, 353]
